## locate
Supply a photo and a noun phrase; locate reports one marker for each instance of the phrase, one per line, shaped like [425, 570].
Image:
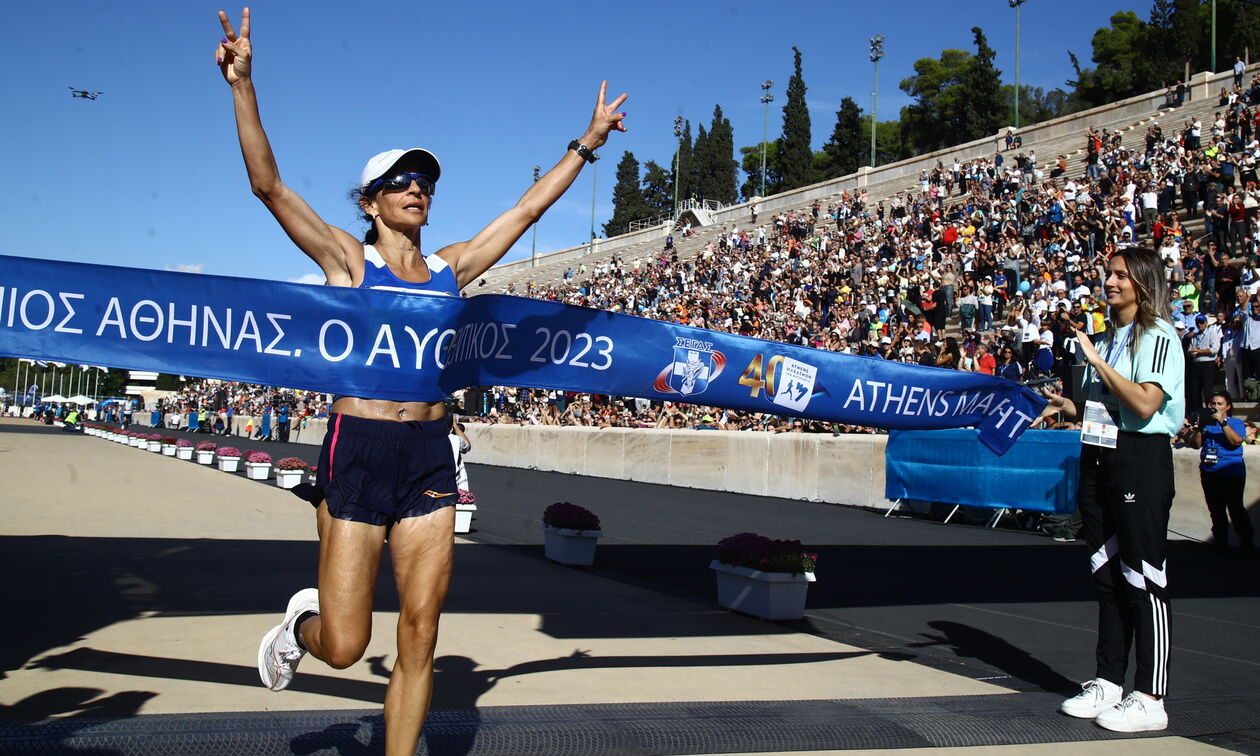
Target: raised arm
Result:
[326, 245]
[472, 258]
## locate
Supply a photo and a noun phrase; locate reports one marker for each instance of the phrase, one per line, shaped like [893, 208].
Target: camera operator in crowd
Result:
[1219, 436]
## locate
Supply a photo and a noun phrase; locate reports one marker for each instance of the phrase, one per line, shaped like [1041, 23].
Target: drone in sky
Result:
[84, 94]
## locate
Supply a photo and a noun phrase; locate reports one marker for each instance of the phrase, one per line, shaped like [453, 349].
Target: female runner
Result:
[374, 444]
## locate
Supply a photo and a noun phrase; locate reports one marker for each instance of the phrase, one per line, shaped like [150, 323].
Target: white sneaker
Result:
[279, 653]
[1096, 696]
[1136, 713]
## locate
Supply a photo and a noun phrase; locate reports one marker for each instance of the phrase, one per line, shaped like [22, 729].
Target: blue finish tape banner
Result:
[398, 346]
[1039, 474]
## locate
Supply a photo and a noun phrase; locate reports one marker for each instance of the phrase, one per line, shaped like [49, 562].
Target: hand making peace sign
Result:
[234, 53]
[605, 119]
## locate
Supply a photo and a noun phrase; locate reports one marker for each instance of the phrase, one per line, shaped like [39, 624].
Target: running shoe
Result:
[1096, 696]
[1136, 713]
[279, 652]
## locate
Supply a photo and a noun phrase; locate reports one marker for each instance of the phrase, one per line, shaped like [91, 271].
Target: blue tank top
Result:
[377, 275]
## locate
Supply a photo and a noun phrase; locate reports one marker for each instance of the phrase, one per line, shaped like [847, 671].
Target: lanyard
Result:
[1116, 349]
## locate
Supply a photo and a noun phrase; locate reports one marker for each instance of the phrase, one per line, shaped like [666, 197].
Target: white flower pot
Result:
[463, 517]
[768, 595]
[183, 452]
[257, 470]
[154, 446]
[229, 464]
[288, 478]
[133, 441]
[205, 457]
[168, 450]
[572, 547]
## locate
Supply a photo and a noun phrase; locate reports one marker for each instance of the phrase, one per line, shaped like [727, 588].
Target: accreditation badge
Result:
[1098, 427]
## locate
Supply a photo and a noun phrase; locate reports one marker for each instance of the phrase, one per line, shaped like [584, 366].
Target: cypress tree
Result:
[846, 147]
[686, 161]
[699, 165]
[658, 189]
[982, 111]
[627, 197]
[719, 168]
[795, 156]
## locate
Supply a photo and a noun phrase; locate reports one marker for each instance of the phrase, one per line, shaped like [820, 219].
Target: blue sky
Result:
[150, 175]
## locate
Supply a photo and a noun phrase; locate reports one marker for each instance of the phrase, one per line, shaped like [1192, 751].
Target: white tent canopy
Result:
[56, 398]
[81, 399]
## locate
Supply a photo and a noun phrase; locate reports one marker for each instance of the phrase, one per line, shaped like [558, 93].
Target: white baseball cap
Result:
[421, 160]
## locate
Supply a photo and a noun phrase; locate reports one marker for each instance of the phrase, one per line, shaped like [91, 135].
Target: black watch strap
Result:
[586, 153]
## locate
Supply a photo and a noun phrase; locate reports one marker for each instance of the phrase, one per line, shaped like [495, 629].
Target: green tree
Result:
[982, 111]
[1176, 36]
[1036, 104]
[628, 202]
[1238, 29]
[1124, 63]
[751, 163]
[795, 155]
[718, 169]
[889, 147]
[658, 189]
[845, 150]
[932, 121]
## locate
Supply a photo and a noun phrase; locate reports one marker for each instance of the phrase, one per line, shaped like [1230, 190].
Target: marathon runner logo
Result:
[796, 385]
[696, 364]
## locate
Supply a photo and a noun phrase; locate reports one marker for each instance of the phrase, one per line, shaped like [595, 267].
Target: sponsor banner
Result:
[399, 346]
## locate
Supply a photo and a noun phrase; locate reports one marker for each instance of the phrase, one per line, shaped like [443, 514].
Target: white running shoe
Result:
[279, 653]
[1096, 696]
[1136, 713]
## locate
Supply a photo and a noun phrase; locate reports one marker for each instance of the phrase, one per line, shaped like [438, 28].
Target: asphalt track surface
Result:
[1006, 606]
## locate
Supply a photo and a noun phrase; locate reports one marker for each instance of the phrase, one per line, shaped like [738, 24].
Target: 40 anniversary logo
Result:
[787, 382]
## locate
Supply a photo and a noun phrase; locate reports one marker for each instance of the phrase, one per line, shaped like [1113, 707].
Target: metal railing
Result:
[691, 204]
[639, 225]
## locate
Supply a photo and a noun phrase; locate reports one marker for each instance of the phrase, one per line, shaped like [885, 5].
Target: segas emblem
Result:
[696, 364]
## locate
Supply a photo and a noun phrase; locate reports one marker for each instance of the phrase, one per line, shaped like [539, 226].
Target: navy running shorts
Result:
[382, 471]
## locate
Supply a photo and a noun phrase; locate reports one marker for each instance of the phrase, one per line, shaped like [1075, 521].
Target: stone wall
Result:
[845, 469]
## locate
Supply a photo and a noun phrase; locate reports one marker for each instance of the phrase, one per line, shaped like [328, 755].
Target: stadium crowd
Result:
[980, 269]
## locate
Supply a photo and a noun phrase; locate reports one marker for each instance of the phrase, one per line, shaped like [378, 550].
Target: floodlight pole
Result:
[1016, 4]
[877, 52]
[533, 245]
[766, 99]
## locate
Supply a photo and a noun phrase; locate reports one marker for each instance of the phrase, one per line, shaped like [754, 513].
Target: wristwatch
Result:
[586, 153]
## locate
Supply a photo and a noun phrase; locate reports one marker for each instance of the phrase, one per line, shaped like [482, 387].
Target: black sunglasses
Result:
[402, 181]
